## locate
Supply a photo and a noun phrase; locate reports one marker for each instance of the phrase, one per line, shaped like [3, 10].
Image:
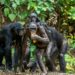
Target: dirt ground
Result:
[51, 73]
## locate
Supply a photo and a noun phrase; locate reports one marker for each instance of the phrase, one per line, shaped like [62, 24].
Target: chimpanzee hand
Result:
[34, 36]
[38, 38]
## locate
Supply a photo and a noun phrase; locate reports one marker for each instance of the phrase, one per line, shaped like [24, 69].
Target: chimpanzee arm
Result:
[37, 37]
[43, 39]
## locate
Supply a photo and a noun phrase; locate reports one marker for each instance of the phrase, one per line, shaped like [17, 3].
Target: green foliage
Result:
[20, 9]
[72, 13]
[71, 43]
[6, 11]
[70, 56]
[67, 8]
[70, 61]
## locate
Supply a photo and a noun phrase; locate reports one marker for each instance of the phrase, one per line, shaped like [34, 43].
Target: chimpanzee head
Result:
[33, 30]
[17, 29]
[32, 27]
[33, 17]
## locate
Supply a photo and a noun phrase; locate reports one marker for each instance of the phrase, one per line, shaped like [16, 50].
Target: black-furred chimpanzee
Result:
[57, 47]
[12, 31]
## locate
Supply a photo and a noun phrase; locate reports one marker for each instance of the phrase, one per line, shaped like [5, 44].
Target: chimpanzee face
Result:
[33, 19]
[17, 30]
[20, 32]
[33, 27]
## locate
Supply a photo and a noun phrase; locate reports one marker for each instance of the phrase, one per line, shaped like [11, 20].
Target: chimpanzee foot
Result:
[43, 73]
[30, 64]
[63, 71]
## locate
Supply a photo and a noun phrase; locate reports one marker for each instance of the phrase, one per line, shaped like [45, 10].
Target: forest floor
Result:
[36, 73]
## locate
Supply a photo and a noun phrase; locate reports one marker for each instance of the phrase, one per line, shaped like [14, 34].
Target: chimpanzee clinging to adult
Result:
[12, 31]
[38, 34]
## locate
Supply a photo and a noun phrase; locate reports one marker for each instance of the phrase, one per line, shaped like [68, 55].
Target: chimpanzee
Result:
[39, 37]
[58, 45]
[12, 31]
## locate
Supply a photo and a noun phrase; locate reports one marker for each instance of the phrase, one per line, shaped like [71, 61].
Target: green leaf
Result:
[17, 2]
[73, 16]
[28, 6]
[31, 5]
[14, 5]
[12, 50]
[71, 13]
[44, 8]
[72, 10]
[37, 11]
[23, 15]
[12, 17]
[40, 2]
[6, 11]
[2, 1]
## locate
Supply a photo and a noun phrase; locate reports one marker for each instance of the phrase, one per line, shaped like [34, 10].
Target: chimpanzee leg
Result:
[18, 58]
[1, 55]
[8, 59]
[26, 57]
[49, 62]
[39, 60]
[61, 56]
[8, 52]
[26, 54]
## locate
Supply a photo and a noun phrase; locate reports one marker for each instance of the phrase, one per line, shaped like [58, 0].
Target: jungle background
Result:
[57, 13]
